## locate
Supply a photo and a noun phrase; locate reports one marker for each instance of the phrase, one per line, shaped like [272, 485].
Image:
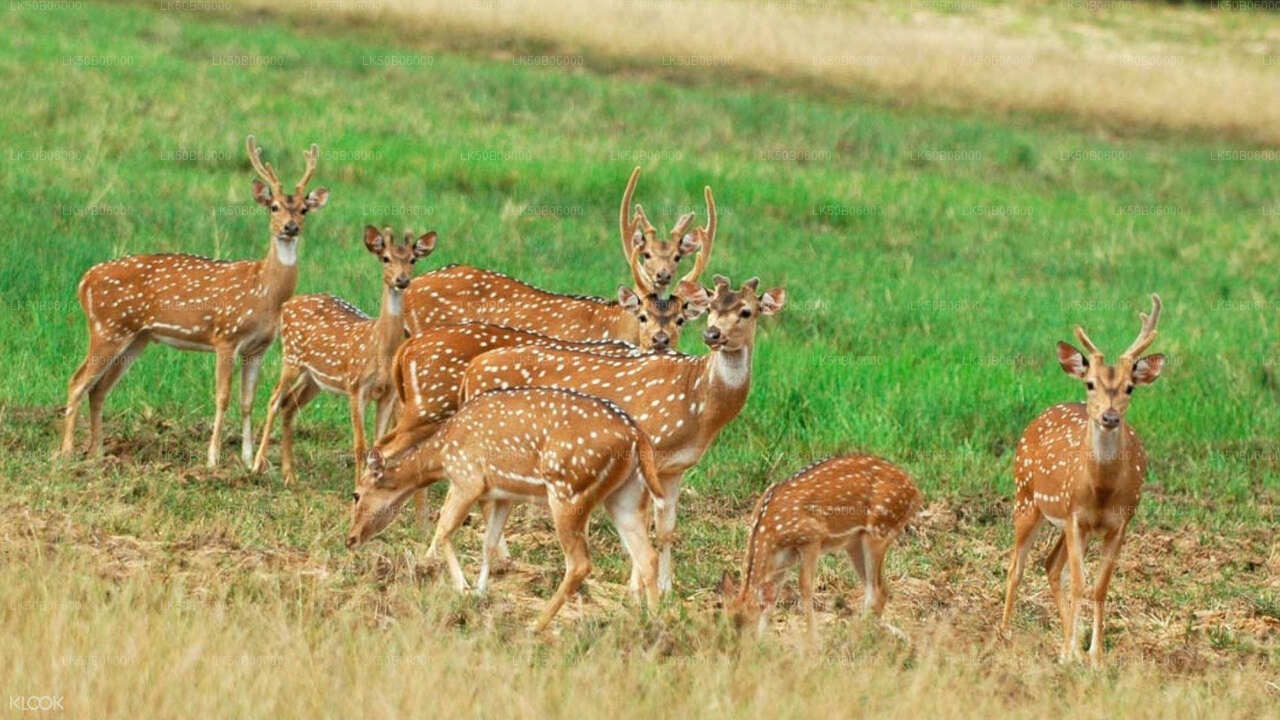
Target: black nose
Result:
[402, 282]
[291, 228]
[1110, 419]
[661, 340]
[711, 334]
[663, 277]
[351, 541]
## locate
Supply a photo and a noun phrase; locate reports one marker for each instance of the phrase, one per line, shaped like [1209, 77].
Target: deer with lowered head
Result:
[229, 308]
[1080, 467]
[329, 344]
[559, 448]
[461, 293]
[681, 402]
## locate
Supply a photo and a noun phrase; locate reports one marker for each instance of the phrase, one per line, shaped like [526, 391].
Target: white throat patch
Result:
[733, 369]
[287, 252]
[395, 302]
[1106, 443]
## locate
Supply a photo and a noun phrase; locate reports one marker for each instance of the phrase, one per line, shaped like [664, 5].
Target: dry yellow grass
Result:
[1125, 68]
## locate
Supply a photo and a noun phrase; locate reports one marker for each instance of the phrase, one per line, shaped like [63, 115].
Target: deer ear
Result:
[375, 462]
[753, 284]
[317, 198]
[727, 587]
[772, 301]
[696, 299]
[261, 193]
[1073, 361]
[688, 244]
[720, 281]
[638, 239]
[628, 299]
[425, 244]
[373, 240]
[1147, 370]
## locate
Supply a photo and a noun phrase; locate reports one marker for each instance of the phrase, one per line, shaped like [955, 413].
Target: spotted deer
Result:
[194, 303]
[1080, 466]
[855, 503]
[656, 258]
[329, 344]
[461, 293]
[560, 448]
[680, 401]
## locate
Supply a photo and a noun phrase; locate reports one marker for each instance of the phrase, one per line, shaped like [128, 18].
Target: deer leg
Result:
[302, 393]
[288, 376]
[571, 531]
[629, 518]
[1112, 543]
[99, 391]
[500, 550]
[495, 518]
[665, 519]
[875, 549]
[222, 398]
[1053, 567]
[358, 402]
[457, 503]
[1024, 531]
[809, 555]
[386, 408]
[97, 359]
[1075, 562]
[249, 367]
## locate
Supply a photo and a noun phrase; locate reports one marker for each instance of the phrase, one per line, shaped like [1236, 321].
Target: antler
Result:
[1089, 347]
[627, 227]
[1147, 334]
[264, 170]
[312, 155]
[643, 286]
[706, 237]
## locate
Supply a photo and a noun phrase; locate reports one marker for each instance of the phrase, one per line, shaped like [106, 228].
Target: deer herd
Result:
[514, 394]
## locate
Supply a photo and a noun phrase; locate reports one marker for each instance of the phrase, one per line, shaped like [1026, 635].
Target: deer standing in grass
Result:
[855, 503]
[329, 344]
[560, 448]
[194, 303]
[1080, 466]
[680, 401]
[462, 293]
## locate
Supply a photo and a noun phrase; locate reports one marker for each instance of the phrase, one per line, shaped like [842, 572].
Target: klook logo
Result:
[35, 702]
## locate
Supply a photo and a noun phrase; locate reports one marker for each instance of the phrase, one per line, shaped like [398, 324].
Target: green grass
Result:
[932, 260]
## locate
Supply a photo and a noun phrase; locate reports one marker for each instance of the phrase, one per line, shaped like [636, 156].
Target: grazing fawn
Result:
[561, 448]
[1080, 466]
[462, 293]
[855, 503]
[681, 402]
[329, 344]
[193, 303]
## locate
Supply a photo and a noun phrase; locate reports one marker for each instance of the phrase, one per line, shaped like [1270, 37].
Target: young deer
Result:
[564, 449]
[193, 303]
[329, 344]
[1081, 467]
[462, 293]
[855, 503]
[680, 401]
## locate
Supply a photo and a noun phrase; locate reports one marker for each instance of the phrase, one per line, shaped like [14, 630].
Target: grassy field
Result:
[932, 259]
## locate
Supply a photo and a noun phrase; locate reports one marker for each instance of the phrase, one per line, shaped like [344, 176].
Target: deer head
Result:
[1110, 387]
[383, 488]
[733, 314]
[398, 259]
[656, 259]
[287, 211]
[744, 605]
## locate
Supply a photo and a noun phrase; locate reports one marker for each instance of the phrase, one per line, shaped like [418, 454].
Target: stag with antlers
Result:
[1080, 467]
[461, 293]
[194, 303]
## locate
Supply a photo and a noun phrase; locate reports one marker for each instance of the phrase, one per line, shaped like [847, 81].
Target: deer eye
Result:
[303, 211]
[644, 318]
[386, 259]
[1128, 390]
[646, 256]
[679, 321]
[677, 259]
[413, 260]
[275, 207]
[1089, 385]
[355, 497]
[745, 313]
